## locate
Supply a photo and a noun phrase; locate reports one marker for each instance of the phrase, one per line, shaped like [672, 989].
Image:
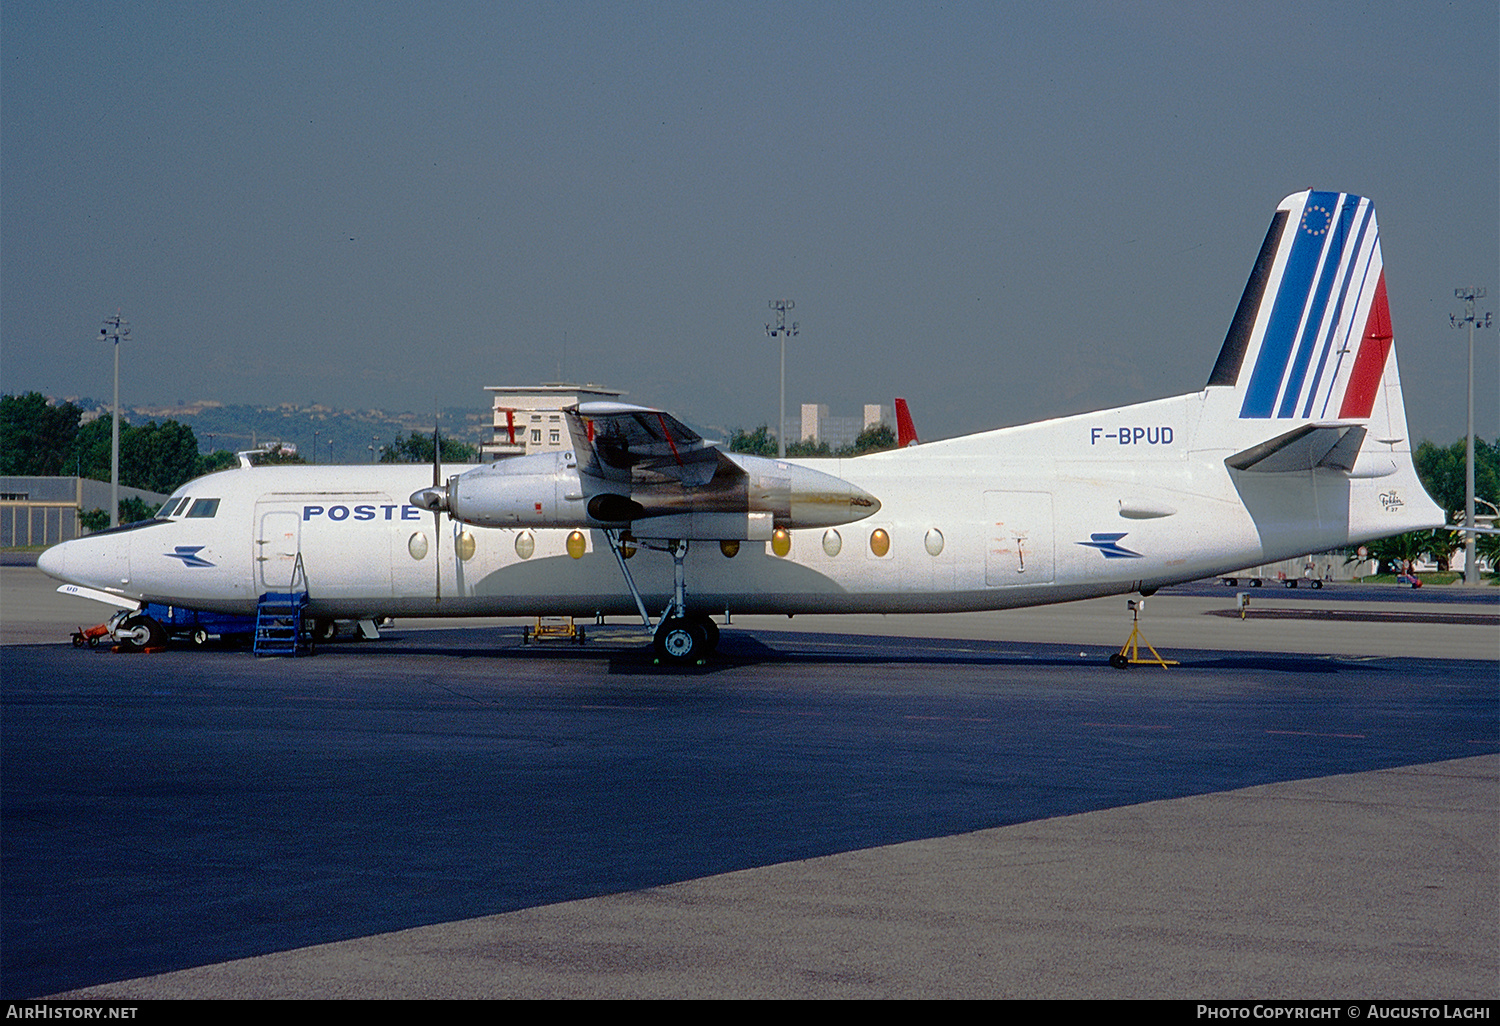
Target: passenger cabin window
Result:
[203, 508]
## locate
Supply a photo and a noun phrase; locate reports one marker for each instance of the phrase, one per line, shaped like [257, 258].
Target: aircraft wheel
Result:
[324, 629]
[199, 637]
[140, 631]
[710, 631]
[681, 641]
[1119, 662]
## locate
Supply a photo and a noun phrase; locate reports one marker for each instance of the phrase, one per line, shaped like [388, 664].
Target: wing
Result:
[644, 447]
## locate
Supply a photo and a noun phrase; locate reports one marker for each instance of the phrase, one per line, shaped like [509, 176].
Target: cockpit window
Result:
[171, 507]
[203, 508]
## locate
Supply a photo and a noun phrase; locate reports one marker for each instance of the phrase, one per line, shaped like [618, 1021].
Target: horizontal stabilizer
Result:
[1330, 446]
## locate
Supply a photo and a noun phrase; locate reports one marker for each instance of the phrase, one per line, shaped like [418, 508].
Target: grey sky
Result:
[1003, 213]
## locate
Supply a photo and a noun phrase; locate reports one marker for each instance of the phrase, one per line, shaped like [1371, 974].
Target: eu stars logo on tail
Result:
[1313, 325]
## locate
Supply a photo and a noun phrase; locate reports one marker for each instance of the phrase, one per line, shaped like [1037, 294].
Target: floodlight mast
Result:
[115, 330]
[1469, 295]
[781, 306]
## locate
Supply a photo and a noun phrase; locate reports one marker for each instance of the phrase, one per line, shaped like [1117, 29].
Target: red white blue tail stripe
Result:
[1312, 335]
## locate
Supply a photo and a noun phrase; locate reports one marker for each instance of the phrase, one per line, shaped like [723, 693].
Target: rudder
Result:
[1311, 337]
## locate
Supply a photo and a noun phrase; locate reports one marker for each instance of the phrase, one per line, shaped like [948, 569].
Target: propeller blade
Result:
[437, 515]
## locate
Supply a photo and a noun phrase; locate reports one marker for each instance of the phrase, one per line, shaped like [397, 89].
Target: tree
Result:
[806, 448]
[36, 438]
[1487, 546]
[876, 438]
[90, 449]
[158, 458]
[761, 442]
[1393, 553]
[756, 443]
[1442, 473]
[132, 509]
[417, 448]
[219, 459]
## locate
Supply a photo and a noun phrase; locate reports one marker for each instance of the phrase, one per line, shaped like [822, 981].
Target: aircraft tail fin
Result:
[1307, 379]
[906, 432]
[1311, 339]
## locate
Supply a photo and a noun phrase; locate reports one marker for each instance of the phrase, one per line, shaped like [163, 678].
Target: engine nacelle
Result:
[744, 500]
[540, 490]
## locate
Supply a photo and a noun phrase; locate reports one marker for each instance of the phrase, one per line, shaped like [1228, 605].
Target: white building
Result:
[818, 426]
[528, 418]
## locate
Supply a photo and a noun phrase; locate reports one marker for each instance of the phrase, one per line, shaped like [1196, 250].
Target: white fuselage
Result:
[1090, 505]
[1297, 444]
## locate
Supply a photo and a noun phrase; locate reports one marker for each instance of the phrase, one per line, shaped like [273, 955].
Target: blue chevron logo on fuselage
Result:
[189, 555]
[1109, 544]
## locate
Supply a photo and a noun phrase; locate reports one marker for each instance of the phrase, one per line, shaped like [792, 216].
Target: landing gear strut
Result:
[681, 638]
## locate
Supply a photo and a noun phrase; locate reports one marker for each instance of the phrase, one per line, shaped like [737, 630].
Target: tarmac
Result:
[805, 819]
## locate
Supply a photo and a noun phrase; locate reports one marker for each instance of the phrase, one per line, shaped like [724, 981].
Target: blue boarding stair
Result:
[279, 628]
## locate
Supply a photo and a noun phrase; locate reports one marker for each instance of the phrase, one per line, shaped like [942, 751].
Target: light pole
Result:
[781, 306]
[1471, 566]
[115, 330]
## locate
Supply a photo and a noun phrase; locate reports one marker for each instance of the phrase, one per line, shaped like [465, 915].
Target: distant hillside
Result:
[352, 432]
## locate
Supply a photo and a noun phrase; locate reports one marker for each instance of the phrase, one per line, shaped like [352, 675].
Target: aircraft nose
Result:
[54, 561]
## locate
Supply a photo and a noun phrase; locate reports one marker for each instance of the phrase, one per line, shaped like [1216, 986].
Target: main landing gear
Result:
[681, 638]
[684, 640]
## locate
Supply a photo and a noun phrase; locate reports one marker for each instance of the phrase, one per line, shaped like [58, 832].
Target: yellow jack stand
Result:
[1130, 652]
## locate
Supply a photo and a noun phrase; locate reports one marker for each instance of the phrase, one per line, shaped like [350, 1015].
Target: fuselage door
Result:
[277, 541]
[1019, 549]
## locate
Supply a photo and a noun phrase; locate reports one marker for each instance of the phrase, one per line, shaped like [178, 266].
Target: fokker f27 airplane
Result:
[1298, 443]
